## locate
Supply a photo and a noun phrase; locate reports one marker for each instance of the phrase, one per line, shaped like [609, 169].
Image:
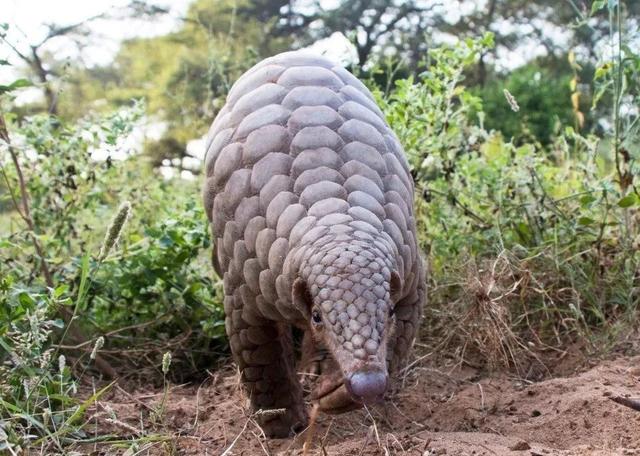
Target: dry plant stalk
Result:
[486, 323]
[311, 430]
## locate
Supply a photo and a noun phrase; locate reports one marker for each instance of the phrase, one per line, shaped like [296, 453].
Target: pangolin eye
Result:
[316, 318]
[392, 311]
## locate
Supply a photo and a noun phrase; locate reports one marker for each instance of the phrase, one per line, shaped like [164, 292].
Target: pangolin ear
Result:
[396, 286]
[301, 297]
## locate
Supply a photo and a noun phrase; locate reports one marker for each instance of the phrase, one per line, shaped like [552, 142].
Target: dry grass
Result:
[486, 324]
[502, 314]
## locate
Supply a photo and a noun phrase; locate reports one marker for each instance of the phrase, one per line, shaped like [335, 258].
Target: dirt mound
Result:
[439, 410]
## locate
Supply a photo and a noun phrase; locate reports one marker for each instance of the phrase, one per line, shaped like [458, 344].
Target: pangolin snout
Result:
[368, 386]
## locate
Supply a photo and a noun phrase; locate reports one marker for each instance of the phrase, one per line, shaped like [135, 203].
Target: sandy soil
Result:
[439, 410]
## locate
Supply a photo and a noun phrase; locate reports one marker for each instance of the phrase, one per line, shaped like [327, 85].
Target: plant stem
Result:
[25, 214]
[617, 88]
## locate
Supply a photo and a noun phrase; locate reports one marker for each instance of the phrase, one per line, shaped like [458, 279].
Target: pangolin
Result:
[310, 202]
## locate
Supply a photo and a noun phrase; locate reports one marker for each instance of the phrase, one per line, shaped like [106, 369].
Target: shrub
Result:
[146, 287]
[530, 245]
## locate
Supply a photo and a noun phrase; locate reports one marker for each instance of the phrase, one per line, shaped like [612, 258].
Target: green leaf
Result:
[600, 92]
[603, 70]
[26, 299]
[597, 6]
[524, 230]
[5, 244]
[17, 84]
[587, 199]
[58, 323]
[586, 221]
[628, 201]
[60, 290]
[84, 284]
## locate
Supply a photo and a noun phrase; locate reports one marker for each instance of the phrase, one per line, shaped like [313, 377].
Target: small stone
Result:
[520, 446]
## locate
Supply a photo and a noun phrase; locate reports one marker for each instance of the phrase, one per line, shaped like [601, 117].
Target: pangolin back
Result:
[301, 151]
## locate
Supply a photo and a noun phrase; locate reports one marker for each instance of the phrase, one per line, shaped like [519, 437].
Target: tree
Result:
[183, 76]
[46, 69]
[371, 25]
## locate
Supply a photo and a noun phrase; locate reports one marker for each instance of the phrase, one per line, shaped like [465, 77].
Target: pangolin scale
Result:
[310, 202]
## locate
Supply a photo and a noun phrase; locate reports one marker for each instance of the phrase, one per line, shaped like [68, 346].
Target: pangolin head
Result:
[349, 292]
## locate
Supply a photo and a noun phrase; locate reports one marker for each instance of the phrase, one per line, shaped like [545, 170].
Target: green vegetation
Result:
[533, 245]
[527, 201]
[140, 278]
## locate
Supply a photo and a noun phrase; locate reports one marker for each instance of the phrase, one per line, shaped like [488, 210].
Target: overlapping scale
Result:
[305, 178]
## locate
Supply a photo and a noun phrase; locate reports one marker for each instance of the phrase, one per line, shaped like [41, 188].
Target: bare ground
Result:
[441, 409]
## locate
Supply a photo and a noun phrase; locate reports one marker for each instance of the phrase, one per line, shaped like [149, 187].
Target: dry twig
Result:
[311, 430]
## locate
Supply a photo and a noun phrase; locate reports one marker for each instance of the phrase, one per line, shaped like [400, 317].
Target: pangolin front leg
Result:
[263, 351]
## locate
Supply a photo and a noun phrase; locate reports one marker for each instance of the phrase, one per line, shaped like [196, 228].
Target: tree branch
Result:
[25, 213]
[135, 8]
[365, 49]
[16, 50]
[55, 31]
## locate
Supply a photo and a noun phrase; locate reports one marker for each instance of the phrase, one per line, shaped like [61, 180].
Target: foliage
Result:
[39, 403]
[543, 97]
[156, 281]
[559, 220]
[69, 184]
[144, 286]
[430, 116]
[183, 76]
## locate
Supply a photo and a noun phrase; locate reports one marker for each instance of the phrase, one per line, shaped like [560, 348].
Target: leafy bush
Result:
[39, 403]
[152, 291]
[530, 244]
[430, 115]
[156, 273]
[159, 286]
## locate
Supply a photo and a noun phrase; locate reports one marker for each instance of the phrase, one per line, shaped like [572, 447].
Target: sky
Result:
[26, 20]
